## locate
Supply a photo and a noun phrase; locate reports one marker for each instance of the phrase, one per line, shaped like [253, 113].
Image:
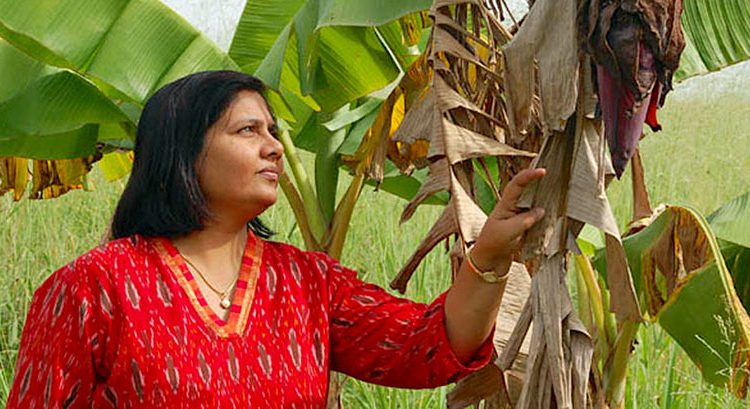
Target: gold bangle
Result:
[487, 276]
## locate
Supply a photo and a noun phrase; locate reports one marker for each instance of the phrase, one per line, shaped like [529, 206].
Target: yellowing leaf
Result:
[116, 165]
[14, 175]
[52, 178]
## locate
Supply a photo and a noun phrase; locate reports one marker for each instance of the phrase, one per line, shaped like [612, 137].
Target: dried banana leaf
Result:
[52, 178]
[572, 194]
[554, 49]
[14, 176]
[49, 178]
[458, 114]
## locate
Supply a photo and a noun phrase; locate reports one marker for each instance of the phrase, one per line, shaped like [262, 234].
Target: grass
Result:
[701, 159]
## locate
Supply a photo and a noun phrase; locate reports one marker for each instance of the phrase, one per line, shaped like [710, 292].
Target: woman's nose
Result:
[273, 147]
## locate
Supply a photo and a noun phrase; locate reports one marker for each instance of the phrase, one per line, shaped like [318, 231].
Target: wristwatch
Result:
[488, 276]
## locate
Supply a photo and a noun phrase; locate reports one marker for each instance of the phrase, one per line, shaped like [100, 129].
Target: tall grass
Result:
[701, 159]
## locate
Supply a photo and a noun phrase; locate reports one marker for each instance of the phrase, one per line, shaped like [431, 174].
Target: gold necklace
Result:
[223, 295]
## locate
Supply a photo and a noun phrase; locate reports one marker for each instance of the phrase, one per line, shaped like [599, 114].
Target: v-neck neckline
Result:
[244, 291]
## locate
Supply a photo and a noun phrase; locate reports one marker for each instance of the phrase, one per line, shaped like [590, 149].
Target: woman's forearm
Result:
[471, 307]
[472, 303]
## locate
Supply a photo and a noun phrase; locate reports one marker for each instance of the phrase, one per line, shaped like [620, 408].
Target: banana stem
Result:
[295, 201]
[615, 374]
[586, 270]
[593, 301]
[609, 319]
[585, 310]
[309, 198]
[342, 216]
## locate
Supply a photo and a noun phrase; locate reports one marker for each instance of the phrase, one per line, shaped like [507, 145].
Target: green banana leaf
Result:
[329, 50]
[683, 283]
[731, 224]
[717, 34]
[262, 22]
[407, 186]
[737, 259]
[485, 184]
[133, 46]
[50, 113]
[77, 73]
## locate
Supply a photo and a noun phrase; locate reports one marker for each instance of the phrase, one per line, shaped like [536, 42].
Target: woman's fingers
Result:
[515, 187]
[503, 236]
[524, 221]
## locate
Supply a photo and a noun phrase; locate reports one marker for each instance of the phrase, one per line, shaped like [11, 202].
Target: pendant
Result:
[225, 303]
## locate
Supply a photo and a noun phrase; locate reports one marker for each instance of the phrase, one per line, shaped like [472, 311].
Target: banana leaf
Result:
[407, 186]
[731, 224]
[132, 47]
[116, 165]
[327, 50]
[49, 112]
[681, 277]
[717, 34]
[76, 75]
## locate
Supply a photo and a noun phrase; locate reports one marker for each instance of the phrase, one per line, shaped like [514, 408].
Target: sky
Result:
[217, 19]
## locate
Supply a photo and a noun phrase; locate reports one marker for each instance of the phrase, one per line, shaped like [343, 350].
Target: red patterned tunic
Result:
[125, 326]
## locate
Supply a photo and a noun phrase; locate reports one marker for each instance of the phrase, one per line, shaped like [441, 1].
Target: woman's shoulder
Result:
[117, 252]
[287, 253]
[290, 257]
[98, 265]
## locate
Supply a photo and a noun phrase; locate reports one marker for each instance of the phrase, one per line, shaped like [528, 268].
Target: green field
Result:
[701, 159]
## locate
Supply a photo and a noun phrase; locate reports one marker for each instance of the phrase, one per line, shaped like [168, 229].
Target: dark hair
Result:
[163, 196]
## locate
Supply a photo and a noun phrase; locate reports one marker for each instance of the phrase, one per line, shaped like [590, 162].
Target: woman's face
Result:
[239, 167]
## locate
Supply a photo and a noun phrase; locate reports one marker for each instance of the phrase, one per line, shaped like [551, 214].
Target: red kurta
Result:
[126, 326]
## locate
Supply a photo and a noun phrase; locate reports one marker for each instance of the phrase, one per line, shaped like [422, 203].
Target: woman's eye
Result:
[248, 129]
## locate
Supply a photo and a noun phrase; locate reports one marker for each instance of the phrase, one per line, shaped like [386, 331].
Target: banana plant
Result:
[61, 133]
[266, 43]
[89, 92]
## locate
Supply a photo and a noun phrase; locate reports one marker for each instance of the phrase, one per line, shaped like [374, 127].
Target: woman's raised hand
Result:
[501, 235]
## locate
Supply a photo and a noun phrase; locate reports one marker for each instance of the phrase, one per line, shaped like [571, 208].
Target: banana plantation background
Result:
[436, 103]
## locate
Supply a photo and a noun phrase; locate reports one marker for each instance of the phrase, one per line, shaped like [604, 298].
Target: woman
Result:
[191, 306]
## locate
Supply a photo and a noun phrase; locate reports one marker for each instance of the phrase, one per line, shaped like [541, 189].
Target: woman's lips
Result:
[270, 174]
